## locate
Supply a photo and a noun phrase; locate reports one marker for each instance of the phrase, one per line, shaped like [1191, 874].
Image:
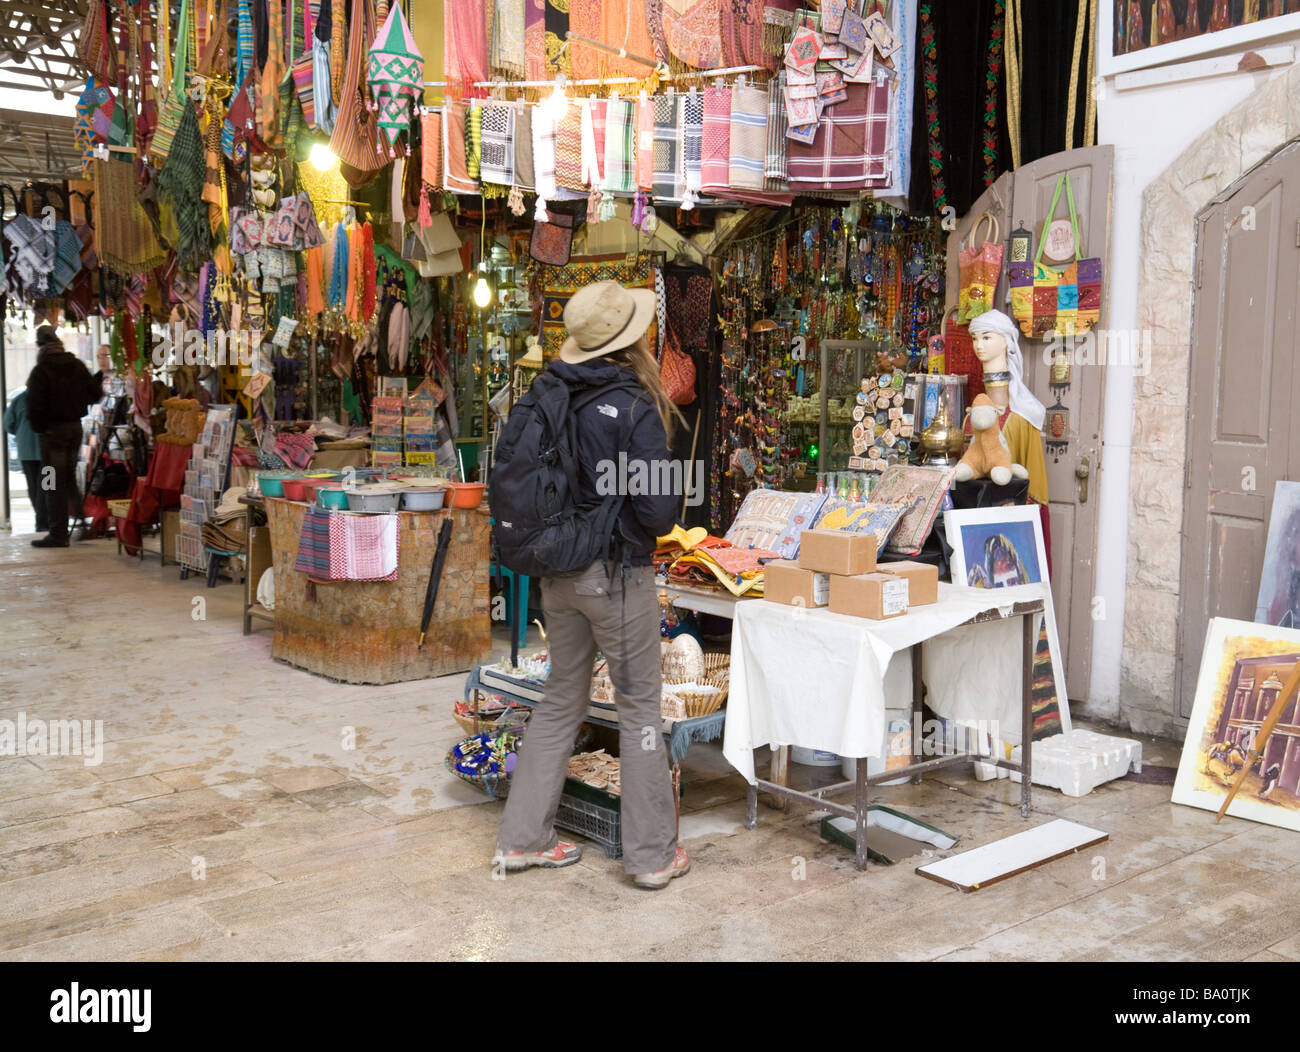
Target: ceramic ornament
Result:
[396, 74]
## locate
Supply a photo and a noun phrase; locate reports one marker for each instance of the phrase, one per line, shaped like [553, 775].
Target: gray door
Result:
[1241, 398]
[1022, 198]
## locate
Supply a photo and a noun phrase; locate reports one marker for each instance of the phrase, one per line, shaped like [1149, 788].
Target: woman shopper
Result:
[611, 606]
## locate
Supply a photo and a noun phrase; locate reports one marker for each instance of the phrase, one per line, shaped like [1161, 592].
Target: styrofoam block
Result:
[1078, 762]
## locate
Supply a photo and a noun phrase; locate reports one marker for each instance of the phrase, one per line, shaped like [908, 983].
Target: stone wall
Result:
[1244, 137]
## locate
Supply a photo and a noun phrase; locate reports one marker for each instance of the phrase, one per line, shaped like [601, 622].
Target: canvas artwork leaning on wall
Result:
[1243, 670]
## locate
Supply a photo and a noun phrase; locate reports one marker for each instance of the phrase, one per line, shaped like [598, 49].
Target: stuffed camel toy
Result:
[988, 454]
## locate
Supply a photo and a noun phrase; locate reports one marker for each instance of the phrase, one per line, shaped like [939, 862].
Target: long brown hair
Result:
[639, 359]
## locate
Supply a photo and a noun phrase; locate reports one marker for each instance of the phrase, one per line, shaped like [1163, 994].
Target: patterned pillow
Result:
[872, 517]
[922, 490]
[774, 520]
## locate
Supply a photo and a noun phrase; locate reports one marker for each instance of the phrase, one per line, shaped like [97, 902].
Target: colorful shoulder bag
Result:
[1046, 299]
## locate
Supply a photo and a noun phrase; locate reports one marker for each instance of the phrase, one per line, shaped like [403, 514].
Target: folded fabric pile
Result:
[696, 557]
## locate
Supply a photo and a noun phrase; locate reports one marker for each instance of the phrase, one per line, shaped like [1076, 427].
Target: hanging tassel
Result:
[638, 209]
[593, 206]
[607, 207]
[540, 215]
[425, 218]
[689, 200]
[516, 201]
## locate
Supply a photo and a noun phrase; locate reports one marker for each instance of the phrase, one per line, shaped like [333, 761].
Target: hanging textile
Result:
[465, 54]
[716, 152]
[585, 61]
[693, 32]
[523, 146]
[838, 158]
[355, 138]
[774, 173]
[560, 283]
[543, 161]
[742, 34]
[690, 119]
[498, 163]
[180, 183]
[396, 75]
[431, 148]
[269, 115]
[669, 184]
[593, 141]
[619, 162]
[338, 64]
[568, 150]
[557, 26]
[508, 39]
[124, 236]
[243, 42]
[645, 144]
[748, 142]
[321, 93]
[147, 116]
[455, 171]
[535, 40]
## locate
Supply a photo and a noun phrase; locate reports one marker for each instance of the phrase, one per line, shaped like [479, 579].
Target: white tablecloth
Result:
[819, 680]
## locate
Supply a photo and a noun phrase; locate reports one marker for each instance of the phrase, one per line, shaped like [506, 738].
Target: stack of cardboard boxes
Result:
[837, 569]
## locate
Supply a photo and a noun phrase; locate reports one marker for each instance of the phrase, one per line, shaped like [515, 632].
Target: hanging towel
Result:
[593, 141]
[837, 159]
[362, 547]
[543, 161]
[455, 171]
[668, 179]
[645, 144]
[431, 149]
[523, 146]
[568, 150]
[690, 118]
[774, 163]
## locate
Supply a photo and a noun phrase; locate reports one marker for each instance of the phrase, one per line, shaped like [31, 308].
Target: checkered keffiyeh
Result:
[838, 159]
[716, 156]
[498, 159]
[690, 119]
[774, 175]
[619, 141]
[668, 181]
[474, 140]
[748, 148]
[879, 123]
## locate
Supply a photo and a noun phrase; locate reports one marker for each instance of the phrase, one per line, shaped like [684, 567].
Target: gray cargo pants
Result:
[584, 613]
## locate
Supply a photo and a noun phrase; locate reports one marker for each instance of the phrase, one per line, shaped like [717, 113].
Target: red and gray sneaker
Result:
[681, 865]
[561, 855]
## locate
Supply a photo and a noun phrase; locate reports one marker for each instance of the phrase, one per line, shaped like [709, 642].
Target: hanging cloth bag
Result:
[677, 371]
[173, 107]
[355, 139]
[1065, 300]
[980, 269]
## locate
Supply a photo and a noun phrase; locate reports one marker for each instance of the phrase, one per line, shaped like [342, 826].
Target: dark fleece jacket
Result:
[622, 421]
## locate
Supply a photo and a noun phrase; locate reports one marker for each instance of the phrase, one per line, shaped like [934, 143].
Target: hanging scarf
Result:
[774, 176]
[244, 42]
[690, 125]
[620, 137]
[523, 147]
[465, 57]
[354, 276]
[593, 140]
[268, 89]
[368, 271]
[543, 161]
[455, 167]
[668, 182]
[474, 140]
[508, 58]
[498, 162]
[568, 149]
[645, 144]
[321, 73]
[338, 60]
[716, 152]
[748, 143]
[535, 40]
[339, 269]
[693, 31]
[742, 34]
[315, 281]
[180, 183]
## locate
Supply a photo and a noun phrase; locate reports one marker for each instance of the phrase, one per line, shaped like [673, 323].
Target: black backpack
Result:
[539, 526]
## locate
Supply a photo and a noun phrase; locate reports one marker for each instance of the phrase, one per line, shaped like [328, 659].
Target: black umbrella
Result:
[435, 578]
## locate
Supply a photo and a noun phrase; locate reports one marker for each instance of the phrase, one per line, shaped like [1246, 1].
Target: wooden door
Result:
[1242, 398]
[1022, 198]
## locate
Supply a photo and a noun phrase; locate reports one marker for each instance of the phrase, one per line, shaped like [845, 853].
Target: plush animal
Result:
[988, 455]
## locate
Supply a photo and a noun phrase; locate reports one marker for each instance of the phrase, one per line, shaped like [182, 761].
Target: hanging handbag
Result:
[980, 269]
[355, 139]
[173, 107]
[93, 45]
[960, 358]
[1063, 300]
[677, 371]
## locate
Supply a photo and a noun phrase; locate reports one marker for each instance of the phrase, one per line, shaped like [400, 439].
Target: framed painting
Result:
[1279, 581]
[1001, 548]
[1243, 669]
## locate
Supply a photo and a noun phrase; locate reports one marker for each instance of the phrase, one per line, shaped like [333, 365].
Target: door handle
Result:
[1081, 472]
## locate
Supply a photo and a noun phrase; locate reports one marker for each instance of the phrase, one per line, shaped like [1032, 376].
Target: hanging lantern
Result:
[396, 74]
[1058, 430]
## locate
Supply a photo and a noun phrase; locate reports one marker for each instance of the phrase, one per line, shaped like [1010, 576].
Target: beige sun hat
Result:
[605, 317]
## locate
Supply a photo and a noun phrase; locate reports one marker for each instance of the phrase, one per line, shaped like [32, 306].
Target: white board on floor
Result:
[1004, 858]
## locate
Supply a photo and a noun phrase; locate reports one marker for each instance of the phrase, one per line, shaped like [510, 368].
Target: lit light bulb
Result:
[482, 292]
[322, 157]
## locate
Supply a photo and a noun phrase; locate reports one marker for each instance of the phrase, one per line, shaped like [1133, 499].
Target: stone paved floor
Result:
[223, 764]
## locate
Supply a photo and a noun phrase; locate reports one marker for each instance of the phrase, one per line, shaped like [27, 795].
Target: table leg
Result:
[751, 806]
[780, 774]
[1027, 712]
[677, 798]
[860, 809]
[918, 693]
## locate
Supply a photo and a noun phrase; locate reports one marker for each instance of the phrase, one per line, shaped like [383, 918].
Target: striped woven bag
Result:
[355, 140]
[173, 107]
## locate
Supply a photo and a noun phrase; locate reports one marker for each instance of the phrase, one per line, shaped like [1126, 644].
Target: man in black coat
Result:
[59, 389]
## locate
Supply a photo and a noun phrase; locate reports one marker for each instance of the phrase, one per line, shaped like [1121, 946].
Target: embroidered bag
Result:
[173, 107]
[355, 140]
[980, 269]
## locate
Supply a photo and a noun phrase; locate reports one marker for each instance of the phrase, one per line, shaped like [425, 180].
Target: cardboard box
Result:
[785, 581]
[922, 580]
[877, 596]
[837, 552]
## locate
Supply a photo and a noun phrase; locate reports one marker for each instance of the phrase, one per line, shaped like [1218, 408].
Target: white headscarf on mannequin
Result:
[1022, 399]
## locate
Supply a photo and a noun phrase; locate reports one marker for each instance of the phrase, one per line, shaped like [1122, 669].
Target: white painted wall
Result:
[1149, 127]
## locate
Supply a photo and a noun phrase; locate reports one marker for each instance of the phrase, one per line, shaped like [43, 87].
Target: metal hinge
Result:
[1187, 473]
[1297, 233]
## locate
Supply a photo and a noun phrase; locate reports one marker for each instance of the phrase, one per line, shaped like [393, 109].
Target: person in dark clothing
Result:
[59, 390]
[612, 605]
[29, 453]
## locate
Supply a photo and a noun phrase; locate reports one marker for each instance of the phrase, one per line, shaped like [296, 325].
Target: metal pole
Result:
[7, 525]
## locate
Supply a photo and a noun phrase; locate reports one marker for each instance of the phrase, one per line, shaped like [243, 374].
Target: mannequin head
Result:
[991, 350]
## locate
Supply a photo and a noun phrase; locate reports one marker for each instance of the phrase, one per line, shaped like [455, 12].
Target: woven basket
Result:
[491, 719]
[119, 509]
[701, 702]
